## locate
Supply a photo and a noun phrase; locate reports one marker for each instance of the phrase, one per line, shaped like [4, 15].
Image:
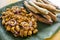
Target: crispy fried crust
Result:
[54, 18]
[41, 19]
[31, 8]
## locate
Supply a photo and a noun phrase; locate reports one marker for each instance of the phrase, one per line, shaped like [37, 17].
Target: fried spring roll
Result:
[31, 8]
[54, 18]
[47, 6]
[40, 1]
[47, 17]
[54, 13]
[40, 9]
[48, 2]
[41, 19]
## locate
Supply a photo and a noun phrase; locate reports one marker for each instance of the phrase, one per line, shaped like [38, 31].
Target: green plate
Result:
[45, 31]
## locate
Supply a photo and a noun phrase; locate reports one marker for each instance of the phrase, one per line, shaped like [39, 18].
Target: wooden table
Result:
[6, 2]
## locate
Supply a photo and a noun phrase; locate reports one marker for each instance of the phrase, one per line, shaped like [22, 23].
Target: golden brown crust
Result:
[41, 19]
[54, 18]
[31, 8]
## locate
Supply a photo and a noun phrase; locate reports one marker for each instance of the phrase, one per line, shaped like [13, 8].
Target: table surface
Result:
[56, 2]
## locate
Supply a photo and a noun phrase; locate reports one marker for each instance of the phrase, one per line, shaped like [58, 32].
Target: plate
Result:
[45, 31]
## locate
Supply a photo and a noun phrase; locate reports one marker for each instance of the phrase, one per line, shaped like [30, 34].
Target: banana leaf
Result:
[45, 31]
